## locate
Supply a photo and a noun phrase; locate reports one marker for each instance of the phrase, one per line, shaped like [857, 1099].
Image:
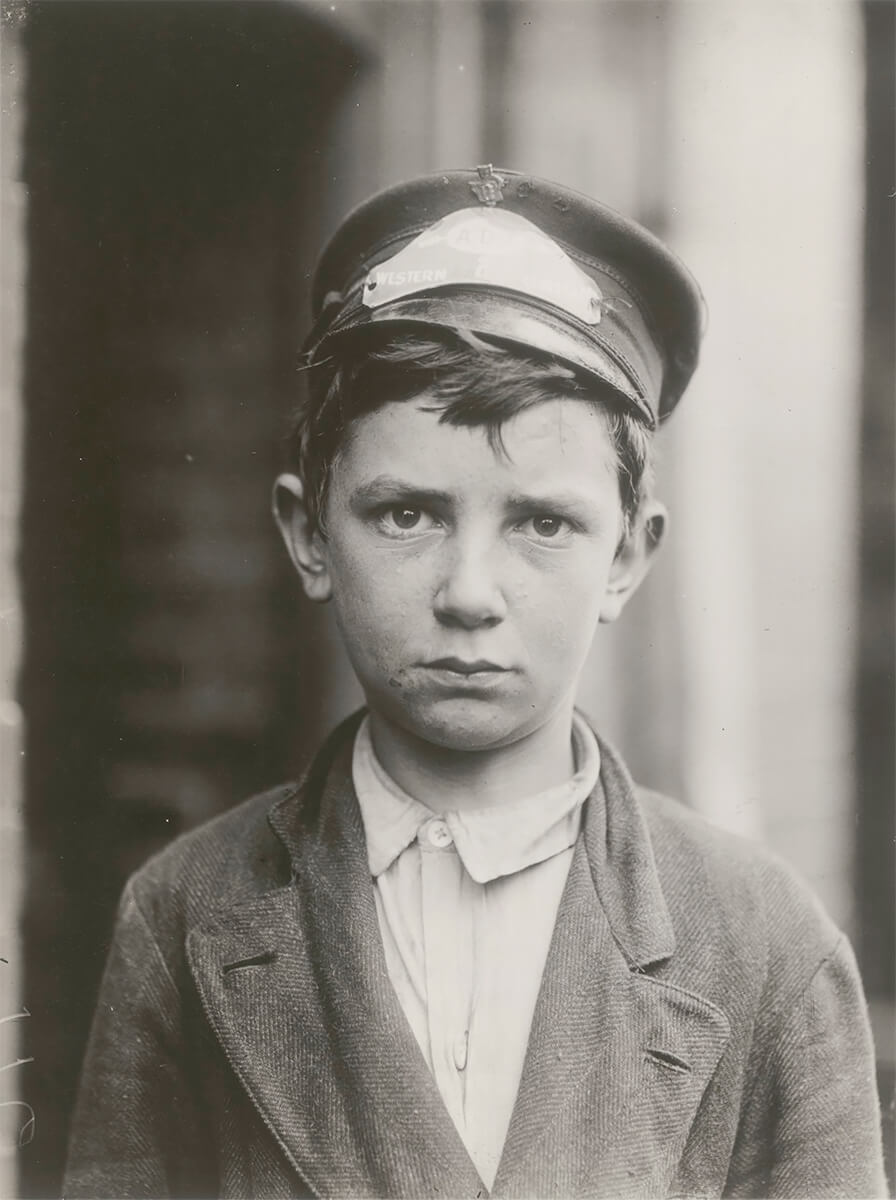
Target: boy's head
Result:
[472, 464]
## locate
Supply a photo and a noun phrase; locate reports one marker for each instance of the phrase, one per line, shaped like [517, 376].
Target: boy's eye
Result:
[548, 527]
[404, 518]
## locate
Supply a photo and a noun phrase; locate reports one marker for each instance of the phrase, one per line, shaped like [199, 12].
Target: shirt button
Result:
[437, 833]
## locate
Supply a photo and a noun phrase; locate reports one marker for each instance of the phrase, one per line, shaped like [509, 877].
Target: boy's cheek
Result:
[376, 620]
[362, 581]
[382, 589]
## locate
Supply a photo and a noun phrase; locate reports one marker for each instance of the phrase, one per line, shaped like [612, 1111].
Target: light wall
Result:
[765, 191]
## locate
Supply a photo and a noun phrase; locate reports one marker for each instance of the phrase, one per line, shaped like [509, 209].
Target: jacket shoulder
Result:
[233, 856]
[734, 893]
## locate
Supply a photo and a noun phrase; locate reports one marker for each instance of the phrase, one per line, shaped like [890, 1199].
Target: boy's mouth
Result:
[460, 666]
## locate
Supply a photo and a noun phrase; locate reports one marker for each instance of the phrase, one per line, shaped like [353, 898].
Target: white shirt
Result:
[467, 903]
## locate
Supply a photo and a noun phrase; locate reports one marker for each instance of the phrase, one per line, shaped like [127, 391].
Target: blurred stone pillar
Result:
[765, 197]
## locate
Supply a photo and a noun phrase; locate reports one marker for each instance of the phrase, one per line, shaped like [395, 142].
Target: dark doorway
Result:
[876, 662]
[172, 159]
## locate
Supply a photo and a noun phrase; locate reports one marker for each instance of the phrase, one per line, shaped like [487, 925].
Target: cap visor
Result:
[505, 318]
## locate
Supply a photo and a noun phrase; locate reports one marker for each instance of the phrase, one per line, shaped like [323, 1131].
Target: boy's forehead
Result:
[520, 261]
[549, 443]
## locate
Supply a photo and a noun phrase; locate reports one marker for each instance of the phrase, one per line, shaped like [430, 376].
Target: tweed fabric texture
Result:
[700, 1029]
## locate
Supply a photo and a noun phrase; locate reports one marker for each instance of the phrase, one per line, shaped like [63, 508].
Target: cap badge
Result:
[489, 187]
[486, 248]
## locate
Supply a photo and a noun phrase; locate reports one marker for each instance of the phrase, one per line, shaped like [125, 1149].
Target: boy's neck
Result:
[444, 779]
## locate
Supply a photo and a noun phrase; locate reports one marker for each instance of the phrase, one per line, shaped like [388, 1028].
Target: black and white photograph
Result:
[448, 593]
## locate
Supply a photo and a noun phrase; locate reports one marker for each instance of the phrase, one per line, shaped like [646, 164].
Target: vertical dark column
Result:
[876, 675]
[876, 709]
[69, 548]
[169, 153]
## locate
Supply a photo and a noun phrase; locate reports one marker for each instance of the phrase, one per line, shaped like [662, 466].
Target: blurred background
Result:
[169, 171]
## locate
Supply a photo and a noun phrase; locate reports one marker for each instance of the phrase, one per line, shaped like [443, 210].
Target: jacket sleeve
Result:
[137, 1128]
[812, 1128]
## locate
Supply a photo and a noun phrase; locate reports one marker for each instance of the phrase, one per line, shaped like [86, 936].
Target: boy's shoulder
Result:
[229, 859]
[734, 900]
[693, 853]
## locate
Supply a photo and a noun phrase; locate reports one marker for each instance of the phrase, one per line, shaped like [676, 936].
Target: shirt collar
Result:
[491, 842]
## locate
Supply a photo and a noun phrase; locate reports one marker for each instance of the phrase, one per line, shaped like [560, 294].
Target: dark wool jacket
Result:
[700, 1029]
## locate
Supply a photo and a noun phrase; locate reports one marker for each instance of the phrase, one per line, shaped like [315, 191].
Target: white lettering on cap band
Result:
[486, 248]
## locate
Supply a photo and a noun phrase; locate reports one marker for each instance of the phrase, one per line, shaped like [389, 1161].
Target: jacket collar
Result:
[295, 985]
[623, 868]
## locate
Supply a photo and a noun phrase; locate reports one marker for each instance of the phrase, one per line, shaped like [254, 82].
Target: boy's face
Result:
[468, 582]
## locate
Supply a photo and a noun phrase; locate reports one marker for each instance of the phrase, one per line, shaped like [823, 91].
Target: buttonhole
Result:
[257, 960]
[663, 1058]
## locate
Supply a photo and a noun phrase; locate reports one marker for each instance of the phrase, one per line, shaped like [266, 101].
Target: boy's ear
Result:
[304, 544]
[633, 559]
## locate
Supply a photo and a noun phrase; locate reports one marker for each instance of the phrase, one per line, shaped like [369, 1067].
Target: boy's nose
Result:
[469, 594]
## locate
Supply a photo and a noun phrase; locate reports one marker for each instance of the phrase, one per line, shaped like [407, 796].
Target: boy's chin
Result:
[464, 725]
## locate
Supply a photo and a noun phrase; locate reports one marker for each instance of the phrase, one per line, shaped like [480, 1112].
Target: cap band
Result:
[513, 322]
[489, 248]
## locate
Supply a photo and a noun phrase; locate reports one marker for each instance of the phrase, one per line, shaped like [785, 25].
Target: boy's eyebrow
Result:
[549, 500]
[388, 487]
[391, 487]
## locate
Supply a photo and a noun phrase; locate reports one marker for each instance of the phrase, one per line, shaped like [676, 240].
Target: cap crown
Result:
[522, 261]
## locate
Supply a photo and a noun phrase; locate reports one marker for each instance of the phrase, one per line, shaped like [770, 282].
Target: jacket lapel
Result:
[617, 1060]
[295, 985]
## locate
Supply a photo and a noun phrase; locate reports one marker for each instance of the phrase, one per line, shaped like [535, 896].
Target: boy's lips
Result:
[461, 666]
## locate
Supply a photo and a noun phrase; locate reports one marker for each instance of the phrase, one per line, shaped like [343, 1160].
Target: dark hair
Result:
[472, 382]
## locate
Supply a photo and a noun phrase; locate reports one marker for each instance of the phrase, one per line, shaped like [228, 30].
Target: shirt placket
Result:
[448, 952]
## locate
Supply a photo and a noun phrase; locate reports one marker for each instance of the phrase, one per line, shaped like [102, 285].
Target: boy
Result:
[466, 956]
